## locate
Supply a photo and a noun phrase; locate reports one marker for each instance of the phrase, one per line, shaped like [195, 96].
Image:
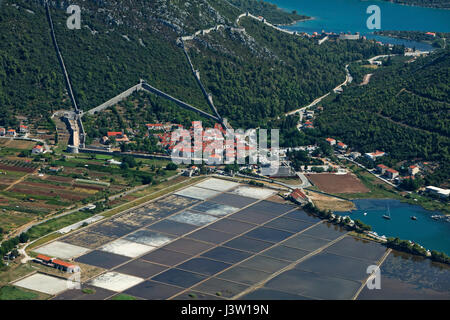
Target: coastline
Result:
[416, 5]
[364, 231]
[401, 37]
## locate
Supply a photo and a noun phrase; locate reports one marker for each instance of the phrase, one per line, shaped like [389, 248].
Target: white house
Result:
[375, 155]
[413, 170]
[37, 149]
[112, 161]
[331, 141]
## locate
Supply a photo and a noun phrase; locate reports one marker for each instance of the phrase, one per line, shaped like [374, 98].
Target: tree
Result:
[128, 162]
[388, 62]
[231, 167]
[147, 179]
[171, 166]
[362, 225]
[124, 166]
[411, 184]
[15, 253]
[23, 237]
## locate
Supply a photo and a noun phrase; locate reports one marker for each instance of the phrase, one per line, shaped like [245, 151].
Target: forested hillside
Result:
[121, 42]
[136, 111]
[31, 82]
[268, 10]
[436, 39]
[405, 111]
[269, 72]
[255, 75]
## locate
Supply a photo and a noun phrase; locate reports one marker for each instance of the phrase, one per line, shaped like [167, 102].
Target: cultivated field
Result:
[325, 203]
[17, 144]
[337, 183]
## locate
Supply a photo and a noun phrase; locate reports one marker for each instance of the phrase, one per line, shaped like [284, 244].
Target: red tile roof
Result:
[113, 133]
[42, 257]
[391, 170]
[297, 193]
[62, 263]
[154, 124]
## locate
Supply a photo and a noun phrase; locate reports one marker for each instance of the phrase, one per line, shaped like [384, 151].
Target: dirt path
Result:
[19, 180]
[366, 79]
[8, 141]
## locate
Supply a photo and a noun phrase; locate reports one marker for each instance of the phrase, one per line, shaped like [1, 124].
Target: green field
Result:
[122, 296]
[14, 271]
[14, 293]
[58, 223]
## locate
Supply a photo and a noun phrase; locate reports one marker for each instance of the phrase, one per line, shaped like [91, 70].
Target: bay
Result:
[350, 16]
[430, 233]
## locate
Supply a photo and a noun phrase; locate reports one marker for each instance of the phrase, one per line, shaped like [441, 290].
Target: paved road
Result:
[348, 79]
[381, 56]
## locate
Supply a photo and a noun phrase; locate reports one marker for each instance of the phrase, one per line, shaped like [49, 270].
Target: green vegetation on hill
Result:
[404, 110]
[139, 109]
[268, 10]
[255, 76]
[269, 72]
[226, 9]
[105, 64]
[31, 82]
[110, 54]
[437, 41]
[101, 61]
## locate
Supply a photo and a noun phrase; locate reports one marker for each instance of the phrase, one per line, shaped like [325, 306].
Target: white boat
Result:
[388, 215]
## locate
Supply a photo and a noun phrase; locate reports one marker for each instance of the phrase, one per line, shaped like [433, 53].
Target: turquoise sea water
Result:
[350, 16]
[432, 234]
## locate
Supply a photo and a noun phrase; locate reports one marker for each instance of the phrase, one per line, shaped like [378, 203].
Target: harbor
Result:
[393, 218]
